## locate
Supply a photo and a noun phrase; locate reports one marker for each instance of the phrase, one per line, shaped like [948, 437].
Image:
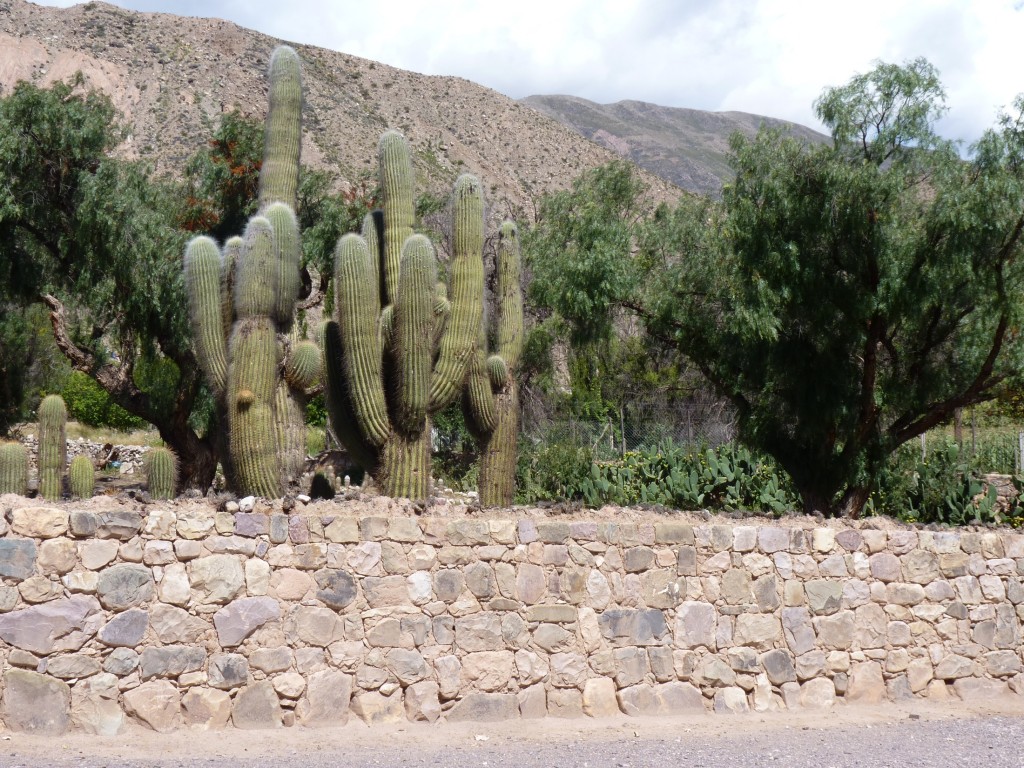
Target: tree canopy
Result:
[844, 298]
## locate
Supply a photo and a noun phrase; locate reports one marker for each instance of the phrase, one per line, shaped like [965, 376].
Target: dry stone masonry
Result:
[177, 615]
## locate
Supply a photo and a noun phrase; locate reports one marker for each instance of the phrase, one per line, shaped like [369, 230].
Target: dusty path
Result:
[916, 734]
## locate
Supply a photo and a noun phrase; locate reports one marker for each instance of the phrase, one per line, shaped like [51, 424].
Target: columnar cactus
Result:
[13, 468]
[161, 472]
[81, 477]
[393, 321]
[53, 446]
[491, 397]
[242, 301]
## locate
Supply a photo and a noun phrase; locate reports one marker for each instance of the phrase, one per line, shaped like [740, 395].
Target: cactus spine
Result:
[81, 477]
[161, 473]
[491, 397]
[394, 321]
[241, 302]
[13, 468]
[53, 446]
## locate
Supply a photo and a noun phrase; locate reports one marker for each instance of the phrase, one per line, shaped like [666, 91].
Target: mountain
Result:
[172, 77]
[687, 147]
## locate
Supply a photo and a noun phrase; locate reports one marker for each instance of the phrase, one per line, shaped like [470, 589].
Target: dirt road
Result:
[916, 734]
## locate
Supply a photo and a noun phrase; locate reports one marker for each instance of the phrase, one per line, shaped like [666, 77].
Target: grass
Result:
[148, 437]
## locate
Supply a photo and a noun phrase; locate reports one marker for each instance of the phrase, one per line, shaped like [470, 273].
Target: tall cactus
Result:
[394, 322]
[13, 468]
[491, 398]
[53, 446]
[242, 301]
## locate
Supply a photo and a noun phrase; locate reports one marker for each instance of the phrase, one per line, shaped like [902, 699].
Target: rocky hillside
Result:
[172, 77]
[687, 147]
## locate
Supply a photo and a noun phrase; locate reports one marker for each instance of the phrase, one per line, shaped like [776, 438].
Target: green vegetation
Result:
[844, 299]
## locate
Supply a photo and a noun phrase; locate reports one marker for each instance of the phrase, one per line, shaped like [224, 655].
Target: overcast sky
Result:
[771, 57]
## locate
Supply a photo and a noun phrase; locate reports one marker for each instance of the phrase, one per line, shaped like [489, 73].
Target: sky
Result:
[770, 57]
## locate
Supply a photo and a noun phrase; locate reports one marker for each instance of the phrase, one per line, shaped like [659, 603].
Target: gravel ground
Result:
[840, 739]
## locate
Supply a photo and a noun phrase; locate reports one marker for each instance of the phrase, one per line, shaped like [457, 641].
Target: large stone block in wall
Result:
[60, 625]
[156, 704]
[216, 578]
[627, 626]
[326, 699]
[125, 586]
[240, 618]
[485, 707]
[17, 558]
[34, 703]
[39, 522]
[257, 707]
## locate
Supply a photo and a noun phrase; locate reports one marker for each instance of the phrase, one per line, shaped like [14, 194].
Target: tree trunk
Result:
[197, 458]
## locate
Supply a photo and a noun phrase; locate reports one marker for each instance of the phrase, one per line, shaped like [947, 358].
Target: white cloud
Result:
[772, 57]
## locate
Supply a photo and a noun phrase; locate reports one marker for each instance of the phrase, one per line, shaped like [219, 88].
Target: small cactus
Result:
[53, 446]
[13, 468]
[161, 473]
[81, 477]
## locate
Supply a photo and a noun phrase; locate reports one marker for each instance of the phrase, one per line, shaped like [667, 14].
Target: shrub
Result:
[88, 403]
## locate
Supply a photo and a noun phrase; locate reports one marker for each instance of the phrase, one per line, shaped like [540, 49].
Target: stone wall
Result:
[178, 614]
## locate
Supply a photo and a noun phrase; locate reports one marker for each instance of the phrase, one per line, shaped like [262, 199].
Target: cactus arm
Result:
[302, 367]
[467, 287]
[256, 272]
[396, 182]
[203, 280]
[442, 314]
[478, 399]
[231, 255]
[339, 401]
[279, 175]
[373, 233]
[287, 257]
[357, 298]
[510, 298]
[414, 334]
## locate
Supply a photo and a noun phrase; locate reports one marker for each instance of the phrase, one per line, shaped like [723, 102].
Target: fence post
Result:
[924, 446]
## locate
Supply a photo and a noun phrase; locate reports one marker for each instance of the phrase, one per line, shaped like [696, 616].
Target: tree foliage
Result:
[844, 298]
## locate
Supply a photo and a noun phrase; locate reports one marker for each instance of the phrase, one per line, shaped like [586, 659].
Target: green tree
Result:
[844, 298]
[94, 238]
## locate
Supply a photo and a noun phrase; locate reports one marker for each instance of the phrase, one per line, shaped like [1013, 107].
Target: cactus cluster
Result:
[400, 343]
[242, 300]
[491, 398]
[81, 477]
[13, 468]
[53, 446]
[161, 473]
